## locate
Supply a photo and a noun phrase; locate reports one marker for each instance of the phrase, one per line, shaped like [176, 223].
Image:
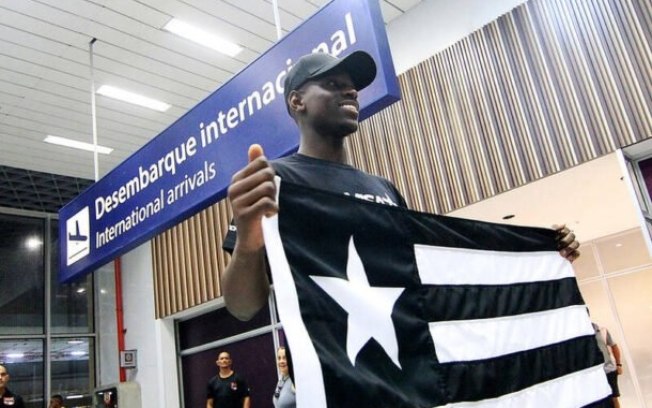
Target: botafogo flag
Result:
[386, 307]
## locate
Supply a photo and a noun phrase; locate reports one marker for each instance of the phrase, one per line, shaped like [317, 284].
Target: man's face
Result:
[223, 360]
[4, 377]
[55, 403]
[331, 104]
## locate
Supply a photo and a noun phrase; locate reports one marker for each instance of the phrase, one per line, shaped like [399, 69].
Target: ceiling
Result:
[45, 89]
[45, 79]
[38, 191]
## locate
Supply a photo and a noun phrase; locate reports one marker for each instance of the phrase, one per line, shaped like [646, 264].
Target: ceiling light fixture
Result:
[130, 97]
[189, 32]
[75, 144]
[77, 353]
[33, 243]
[15, 355]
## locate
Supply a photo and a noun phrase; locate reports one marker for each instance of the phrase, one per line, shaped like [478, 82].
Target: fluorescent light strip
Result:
[130, 97]
[202, 37]
[62, 141]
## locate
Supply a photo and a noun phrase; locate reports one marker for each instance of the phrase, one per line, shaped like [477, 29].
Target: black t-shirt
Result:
[9, 399]
[333, 177]
[228, 392]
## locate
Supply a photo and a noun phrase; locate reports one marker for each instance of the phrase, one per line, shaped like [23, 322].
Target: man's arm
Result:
[617, 357]
[247, 402]
[209, 403]
[252, 194]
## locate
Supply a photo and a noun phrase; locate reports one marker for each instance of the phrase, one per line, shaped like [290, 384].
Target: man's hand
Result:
[566, 242]
[252, 194]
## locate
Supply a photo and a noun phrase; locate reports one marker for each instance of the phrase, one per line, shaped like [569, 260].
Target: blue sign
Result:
[189, 165]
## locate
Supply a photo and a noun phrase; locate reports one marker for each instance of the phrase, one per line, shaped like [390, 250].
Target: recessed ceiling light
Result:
[75, 144]
[33, 243]
[130, 97]
[77, 353]
[189, 32]
[15, 355]
[75, 342]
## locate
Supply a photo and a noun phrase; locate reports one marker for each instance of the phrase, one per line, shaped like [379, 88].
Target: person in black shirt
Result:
[8, 398]
[227, 389]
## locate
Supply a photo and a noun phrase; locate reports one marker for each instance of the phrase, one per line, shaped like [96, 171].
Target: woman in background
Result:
[285, 394]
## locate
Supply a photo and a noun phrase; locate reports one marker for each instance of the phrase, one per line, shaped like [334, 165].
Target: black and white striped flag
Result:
[385, 307]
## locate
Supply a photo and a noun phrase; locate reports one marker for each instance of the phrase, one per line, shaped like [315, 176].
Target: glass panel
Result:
[23, 360]
[73, 369]
[21, 274]
[586, 265]
[72, 306]
[623, 251]
[105, 320]
[254, 359]
[217, 325]
[596, 299]
[634, 303]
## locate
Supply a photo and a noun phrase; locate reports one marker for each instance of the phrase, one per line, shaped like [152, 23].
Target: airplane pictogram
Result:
[77, 236]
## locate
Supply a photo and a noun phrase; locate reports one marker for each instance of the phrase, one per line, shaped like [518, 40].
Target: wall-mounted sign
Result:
[128, 359]
[188, 166]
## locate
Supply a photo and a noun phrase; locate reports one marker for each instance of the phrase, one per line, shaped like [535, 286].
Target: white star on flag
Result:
[369, 308]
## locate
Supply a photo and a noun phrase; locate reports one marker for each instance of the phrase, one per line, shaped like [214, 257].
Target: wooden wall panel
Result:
[188, 259]
[550, 85]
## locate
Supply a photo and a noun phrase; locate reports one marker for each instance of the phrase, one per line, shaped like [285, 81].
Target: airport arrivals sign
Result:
[189, 165]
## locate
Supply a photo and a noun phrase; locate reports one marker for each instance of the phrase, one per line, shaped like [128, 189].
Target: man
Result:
[321, 94]
[8, 398]
[227, 389]
[612, 360]
[56, 401]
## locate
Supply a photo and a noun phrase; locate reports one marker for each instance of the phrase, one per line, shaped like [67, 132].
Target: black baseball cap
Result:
[359, 65]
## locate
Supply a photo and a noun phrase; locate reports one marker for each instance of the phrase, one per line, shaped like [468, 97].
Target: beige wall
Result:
[615, 276]
[615, 268]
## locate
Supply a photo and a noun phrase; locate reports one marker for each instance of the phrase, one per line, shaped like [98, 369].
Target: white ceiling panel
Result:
[251, 27]
[152, 66]
[390, 11]
[12, 76]
[403, 5]
[224, 21]
[302, 9]
[13, 35]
